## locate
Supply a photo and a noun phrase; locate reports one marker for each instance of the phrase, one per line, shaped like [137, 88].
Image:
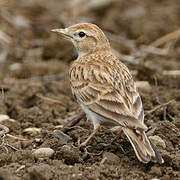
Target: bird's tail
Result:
[144, 149]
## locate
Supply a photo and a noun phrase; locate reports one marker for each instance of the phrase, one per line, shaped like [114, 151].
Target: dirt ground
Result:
[33, 67]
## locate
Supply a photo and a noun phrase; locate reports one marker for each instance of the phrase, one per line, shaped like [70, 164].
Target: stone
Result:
[32, 131]
[110, 158]
[157, 141]
[143, 86]
[62, 137]
[43, 153]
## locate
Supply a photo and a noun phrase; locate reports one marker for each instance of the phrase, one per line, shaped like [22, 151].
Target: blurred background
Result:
[34, 64]
[25, 28]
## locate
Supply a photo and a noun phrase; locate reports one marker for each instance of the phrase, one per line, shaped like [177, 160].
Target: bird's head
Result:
[86, 37]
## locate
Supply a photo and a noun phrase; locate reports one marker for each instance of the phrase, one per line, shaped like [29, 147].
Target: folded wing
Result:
[109, 92]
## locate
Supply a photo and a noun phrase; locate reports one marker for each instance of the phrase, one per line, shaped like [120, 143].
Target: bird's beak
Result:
[62, 32]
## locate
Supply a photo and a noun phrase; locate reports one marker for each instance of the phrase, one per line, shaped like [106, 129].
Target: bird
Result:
[105, 89]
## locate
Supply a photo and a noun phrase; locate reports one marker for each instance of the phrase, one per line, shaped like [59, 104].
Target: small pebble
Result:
[110, 158]
[37, 140]
[62, 137]
[43, 152]
[32, 131]
[143, 85]
[15, 66]
[3, 117]
[157, 141]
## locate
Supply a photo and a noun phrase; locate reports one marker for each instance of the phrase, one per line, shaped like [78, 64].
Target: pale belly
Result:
[97, 119]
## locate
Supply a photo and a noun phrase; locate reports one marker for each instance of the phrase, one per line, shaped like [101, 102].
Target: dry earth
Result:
[33, 52]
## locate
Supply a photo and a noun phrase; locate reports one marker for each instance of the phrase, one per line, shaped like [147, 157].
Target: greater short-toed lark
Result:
[104, 88]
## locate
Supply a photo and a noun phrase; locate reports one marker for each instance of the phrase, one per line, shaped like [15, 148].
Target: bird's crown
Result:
[86, 37]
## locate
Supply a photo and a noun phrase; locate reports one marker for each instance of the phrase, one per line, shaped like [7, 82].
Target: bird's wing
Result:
[109, 91]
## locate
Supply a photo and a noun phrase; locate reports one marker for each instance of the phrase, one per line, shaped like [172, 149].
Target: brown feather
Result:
[116, 100]
[144, 149]
[105, 89]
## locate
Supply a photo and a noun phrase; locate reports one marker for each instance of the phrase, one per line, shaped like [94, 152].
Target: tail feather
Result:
[158, 159]
[144, 149]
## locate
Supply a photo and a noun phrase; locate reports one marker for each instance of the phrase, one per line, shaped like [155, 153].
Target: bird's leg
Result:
[73, 122]
[96, 128]
[117, 136]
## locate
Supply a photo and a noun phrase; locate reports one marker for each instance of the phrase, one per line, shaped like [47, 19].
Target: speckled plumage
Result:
[105, 89]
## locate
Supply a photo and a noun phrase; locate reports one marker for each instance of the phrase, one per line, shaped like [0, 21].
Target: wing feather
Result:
[109, 92]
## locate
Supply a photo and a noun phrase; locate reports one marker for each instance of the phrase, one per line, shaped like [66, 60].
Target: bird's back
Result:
[104, 84]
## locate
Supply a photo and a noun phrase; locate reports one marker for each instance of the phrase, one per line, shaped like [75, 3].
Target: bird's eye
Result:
[81, 34]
